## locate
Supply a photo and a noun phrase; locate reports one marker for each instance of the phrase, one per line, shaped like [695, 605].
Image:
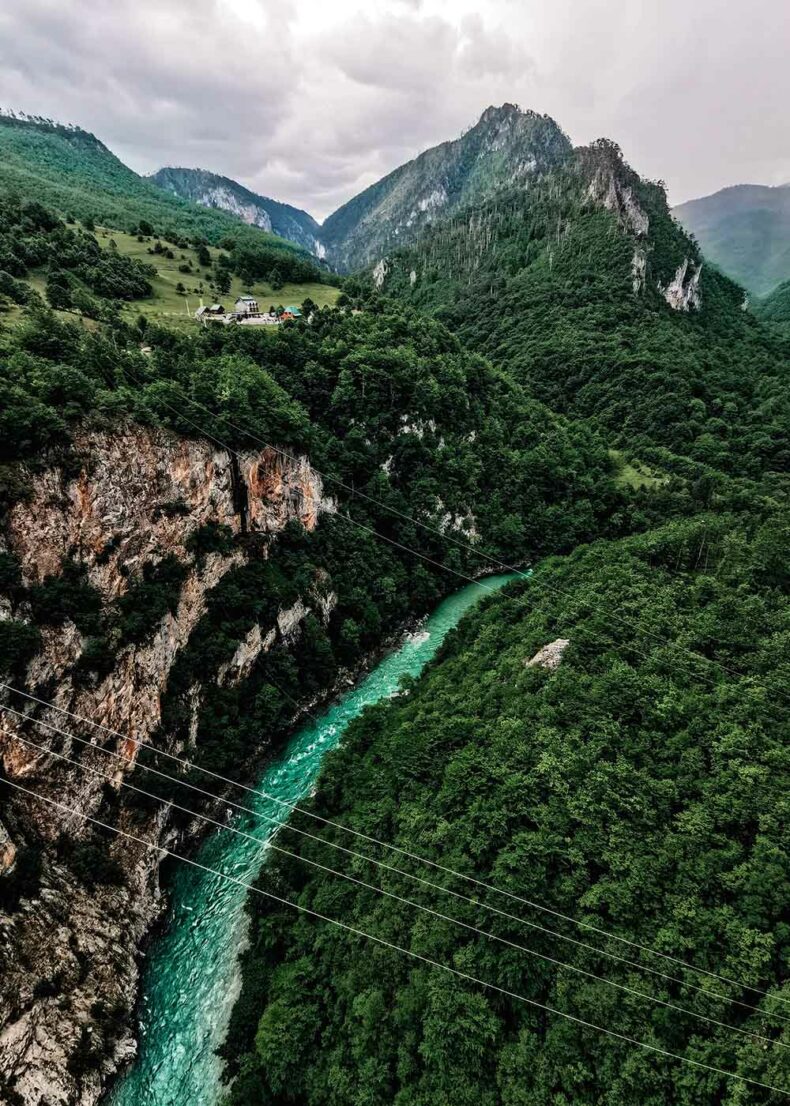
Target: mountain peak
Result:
[493, 113]
[506, 147]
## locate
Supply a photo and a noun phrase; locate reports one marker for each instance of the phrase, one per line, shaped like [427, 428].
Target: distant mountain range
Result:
[505, 145]
[775, 307]
[223, 194]
[745, 230]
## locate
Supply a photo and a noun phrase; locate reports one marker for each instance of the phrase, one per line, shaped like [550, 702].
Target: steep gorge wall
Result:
[68, 954]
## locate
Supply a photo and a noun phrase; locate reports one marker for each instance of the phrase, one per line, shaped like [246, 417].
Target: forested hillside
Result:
[605, 740]
[71, 171]
[640, 787]
[205, 532]
[92, 272]
[584, 289]
[505, 144]
[170, 510]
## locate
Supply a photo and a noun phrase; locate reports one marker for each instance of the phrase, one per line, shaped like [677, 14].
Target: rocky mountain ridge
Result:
[506, 146]
[534, 224]
[212, 190]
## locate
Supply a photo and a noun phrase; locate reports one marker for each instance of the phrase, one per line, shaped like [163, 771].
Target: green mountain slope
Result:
[775, 308]
[505, 145]
[634, 787]
[746, 231]
[586, 289]
[221, 193]
[71, 170]
[638, 785]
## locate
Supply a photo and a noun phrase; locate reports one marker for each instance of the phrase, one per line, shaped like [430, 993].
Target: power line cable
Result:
[418, 522]
[382, 864]
[169, 803]
[406, 952]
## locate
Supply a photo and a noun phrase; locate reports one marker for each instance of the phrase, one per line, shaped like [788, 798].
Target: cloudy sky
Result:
[311, 101]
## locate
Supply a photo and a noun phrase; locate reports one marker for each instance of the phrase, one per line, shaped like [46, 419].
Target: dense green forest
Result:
[640, 788]
[567, 296]
[519, 392]
[76, 273]
[80, 275]
[384, 402]
[72, 172]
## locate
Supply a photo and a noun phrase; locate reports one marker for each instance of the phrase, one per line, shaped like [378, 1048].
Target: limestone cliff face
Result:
[683, 291]
[68, 966]
[211, 190]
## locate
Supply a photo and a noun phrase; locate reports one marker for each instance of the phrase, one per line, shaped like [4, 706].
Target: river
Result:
[191, 975]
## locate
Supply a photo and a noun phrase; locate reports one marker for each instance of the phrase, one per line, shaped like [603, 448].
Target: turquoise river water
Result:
[191, 976]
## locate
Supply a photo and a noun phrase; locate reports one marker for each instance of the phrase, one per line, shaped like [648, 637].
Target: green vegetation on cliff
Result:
[640, 788]
[565, 286]
[386, 402]
[546, 375]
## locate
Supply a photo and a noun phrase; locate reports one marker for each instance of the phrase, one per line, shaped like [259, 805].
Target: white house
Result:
[246, 305]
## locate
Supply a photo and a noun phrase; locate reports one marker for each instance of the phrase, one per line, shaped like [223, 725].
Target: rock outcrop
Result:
[549, 656]
[124, 501]
[607, 189]
[211, 190]
[683, 292]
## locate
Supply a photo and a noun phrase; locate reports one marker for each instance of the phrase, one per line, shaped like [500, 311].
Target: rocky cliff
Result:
[118, 504]
[212, 190]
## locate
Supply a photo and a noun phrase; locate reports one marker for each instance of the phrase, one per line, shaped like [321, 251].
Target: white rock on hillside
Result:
[550, 655]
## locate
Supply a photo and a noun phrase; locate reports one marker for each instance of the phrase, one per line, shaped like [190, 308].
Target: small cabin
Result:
[291, 313]
[216, 311]
[246, 305]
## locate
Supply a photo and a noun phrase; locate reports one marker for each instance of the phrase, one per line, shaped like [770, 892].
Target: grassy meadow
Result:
[172, 308]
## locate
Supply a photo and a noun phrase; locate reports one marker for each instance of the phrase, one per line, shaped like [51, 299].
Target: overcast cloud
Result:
[310, 102]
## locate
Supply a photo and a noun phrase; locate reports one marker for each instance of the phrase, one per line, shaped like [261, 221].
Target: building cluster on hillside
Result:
[246, 312]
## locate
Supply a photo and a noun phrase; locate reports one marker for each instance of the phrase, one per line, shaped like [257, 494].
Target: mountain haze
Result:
[745, 230]
[775, 308]
[212, 190]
